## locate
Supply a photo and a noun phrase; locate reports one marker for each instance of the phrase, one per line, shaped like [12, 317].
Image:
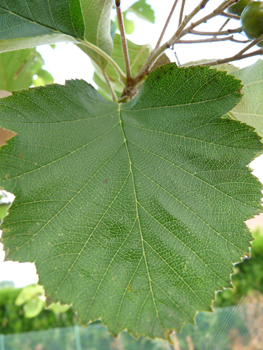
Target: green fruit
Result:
[236, 9]
[252, 19]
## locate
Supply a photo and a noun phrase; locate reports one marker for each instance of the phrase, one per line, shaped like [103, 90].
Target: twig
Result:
[123, 40]
[224, 24]
[230, 15]
[166, 25]
[225, 32]
[113, 94]
[108, 58]
[181, 12]
[253, 43]
[240, 41]
[209, 40]
[151, 59]
[215, 13]
[233, 58]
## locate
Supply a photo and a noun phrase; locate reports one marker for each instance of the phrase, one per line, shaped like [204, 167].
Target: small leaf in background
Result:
[29, 293]
[226, 67]
[129, 24]
[143, 10]
[33, 307]
[57, 308]
[250, 109]
[133, 213]
[18, 68]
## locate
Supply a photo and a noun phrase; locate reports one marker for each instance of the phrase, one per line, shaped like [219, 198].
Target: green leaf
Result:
[57, 308]
[33, 307]
[129, 25]
[133, 213]
[96, 15]
[17, 69]
[29, 23]
[250, 108]
[143, 11]
[25, 19]
[28, 293]
[226, 67]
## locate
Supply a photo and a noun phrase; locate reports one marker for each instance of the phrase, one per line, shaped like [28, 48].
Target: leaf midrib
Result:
[137, 216]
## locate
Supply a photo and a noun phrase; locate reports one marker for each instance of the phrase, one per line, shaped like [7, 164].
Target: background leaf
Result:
[134, 213]
[18, 68]
[250, 108]
[143, 10]
[33, 307]
[96, 16]
[129, 24]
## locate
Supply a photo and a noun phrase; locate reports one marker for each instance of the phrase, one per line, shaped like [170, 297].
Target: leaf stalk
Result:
[123, 41]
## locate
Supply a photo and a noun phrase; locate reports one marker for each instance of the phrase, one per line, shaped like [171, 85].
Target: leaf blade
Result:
[23, 19]
[150, 225]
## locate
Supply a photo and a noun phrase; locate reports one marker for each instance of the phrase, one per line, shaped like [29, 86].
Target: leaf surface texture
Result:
[135, 212]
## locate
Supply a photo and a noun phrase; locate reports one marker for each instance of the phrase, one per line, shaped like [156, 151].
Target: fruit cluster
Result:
[251, 13]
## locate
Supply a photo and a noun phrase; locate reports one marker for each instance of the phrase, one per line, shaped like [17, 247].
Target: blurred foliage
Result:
[14, 320]
[248, 277]
[142, 10]
[22, 68]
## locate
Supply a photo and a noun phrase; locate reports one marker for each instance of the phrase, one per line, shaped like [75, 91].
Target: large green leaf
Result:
[28, 23]
[18, 68]
[30, 18]
[133, 213]
[250, 108]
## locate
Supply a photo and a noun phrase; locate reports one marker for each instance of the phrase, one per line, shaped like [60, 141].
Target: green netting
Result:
[238, 327]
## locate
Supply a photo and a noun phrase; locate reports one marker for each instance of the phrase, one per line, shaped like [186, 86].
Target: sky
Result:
[67, 61]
